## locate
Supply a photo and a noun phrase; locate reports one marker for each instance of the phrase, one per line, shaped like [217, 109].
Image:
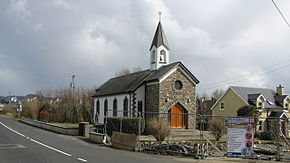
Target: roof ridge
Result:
[250, 87]
[130, 74]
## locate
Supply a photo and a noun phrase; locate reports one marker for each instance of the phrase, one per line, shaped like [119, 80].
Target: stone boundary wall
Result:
[124, 141]
[73, 131]
[97, 138]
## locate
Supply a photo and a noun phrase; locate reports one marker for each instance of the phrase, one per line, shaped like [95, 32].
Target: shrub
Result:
[44, 116]
[9, 111]
[159, 128]
[248, 111]
[217, 127]
[129, 125]
[265, 135]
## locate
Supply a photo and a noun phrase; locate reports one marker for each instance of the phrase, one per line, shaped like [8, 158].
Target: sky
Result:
[225, 42]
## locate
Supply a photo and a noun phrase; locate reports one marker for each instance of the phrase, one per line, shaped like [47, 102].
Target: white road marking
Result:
[52, 148]
[12, 130]
[49, 147]
[81, 159]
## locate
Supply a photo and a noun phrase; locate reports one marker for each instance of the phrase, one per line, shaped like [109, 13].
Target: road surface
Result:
[21, 143]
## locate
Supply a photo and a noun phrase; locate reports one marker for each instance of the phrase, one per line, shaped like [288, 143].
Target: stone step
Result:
[183, 132]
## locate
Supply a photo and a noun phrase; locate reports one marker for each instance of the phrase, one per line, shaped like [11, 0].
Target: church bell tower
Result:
[159, 49]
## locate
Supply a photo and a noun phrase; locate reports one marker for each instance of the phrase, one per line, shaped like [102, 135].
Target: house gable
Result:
[231, 101]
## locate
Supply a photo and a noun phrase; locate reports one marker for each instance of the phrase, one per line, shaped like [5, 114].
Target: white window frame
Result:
[222, 106]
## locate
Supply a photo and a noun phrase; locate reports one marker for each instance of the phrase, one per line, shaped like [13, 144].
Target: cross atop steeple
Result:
[159, 13]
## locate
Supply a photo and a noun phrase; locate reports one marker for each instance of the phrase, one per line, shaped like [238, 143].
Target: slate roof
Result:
[247, 93]
[276, 114]
[159, 38]
[280, 98]
[130, 82]
[252, 97]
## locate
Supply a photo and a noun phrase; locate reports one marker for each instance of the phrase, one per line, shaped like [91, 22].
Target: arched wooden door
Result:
[177, 117]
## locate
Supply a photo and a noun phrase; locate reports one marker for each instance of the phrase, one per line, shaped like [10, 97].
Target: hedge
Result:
[129, 124]
[265, 135]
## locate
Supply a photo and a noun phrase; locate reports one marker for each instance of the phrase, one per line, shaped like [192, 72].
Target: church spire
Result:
[159, 37]
[159, 49]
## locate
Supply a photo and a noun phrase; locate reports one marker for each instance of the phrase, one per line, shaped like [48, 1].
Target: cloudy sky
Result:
[222, 42]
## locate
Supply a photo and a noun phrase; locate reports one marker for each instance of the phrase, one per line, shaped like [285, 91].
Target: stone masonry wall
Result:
[152, 98]
[152, 102]
[169, 95]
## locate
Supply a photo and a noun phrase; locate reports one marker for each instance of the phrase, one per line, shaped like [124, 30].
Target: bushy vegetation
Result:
[129, 125]
[7, 110]
[159, 128]
[248, 111]
[63, 105]
[265, 135]
[217, 126]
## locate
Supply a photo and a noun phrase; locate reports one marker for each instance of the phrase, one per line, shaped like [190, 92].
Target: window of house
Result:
[140, 108]
[260, 104]
[105, 107]
[115, 109]
[98, 108]
[286, 105]
[125, 107]
[222, 106]
[162, 56]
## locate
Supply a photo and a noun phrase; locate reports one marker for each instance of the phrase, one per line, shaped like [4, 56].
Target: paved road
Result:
[21, 143]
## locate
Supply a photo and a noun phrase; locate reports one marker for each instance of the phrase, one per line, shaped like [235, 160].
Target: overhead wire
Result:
[280, 13]
[241, 76]
[247, 77]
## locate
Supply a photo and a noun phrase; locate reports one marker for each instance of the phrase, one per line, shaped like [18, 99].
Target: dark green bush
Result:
[265, 135]
[129, 125]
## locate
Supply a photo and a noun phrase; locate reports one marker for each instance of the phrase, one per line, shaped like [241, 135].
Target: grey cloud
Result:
[42, 43]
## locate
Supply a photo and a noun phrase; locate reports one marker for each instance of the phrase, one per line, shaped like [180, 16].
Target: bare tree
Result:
[61, 106]
[125, 71]
[216, 94]
[136, 69]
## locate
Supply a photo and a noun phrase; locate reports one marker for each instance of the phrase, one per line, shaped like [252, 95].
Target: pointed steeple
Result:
[159, 49]
[159, 38]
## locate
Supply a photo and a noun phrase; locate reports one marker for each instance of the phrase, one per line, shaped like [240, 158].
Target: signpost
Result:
[240, 136]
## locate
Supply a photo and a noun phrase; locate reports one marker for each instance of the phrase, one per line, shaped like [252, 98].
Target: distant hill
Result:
[6, 98]
[30, 96]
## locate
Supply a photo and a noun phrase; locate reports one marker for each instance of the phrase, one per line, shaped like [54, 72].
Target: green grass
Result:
[67, 124]
[11, 116]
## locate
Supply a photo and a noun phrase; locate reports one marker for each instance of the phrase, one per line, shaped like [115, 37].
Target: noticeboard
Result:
[240, 136]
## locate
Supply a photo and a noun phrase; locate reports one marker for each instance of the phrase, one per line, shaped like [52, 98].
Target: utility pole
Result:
[72, 88]
[72, 85]
[9, 98]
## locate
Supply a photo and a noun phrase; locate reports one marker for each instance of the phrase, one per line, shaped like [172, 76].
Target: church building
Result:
[164, 88]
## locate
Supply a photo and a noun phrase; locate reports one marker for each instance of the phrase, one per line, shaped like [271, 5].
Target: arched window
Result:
[98, 108]
[105, 107]
[115, 109]
[140, 109]
[125, 107]
[162, 56]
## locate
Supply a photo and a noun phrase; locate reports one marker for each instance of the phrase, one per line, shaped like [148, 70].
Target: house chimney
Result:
[280, 90]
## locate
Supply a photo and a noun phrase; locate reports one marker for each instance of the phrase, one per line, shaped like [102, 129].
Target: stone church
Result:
[165, 88]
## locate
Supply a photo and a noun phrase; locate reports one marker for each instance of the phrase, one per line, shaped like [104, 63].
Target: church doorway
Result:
[177, 117]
